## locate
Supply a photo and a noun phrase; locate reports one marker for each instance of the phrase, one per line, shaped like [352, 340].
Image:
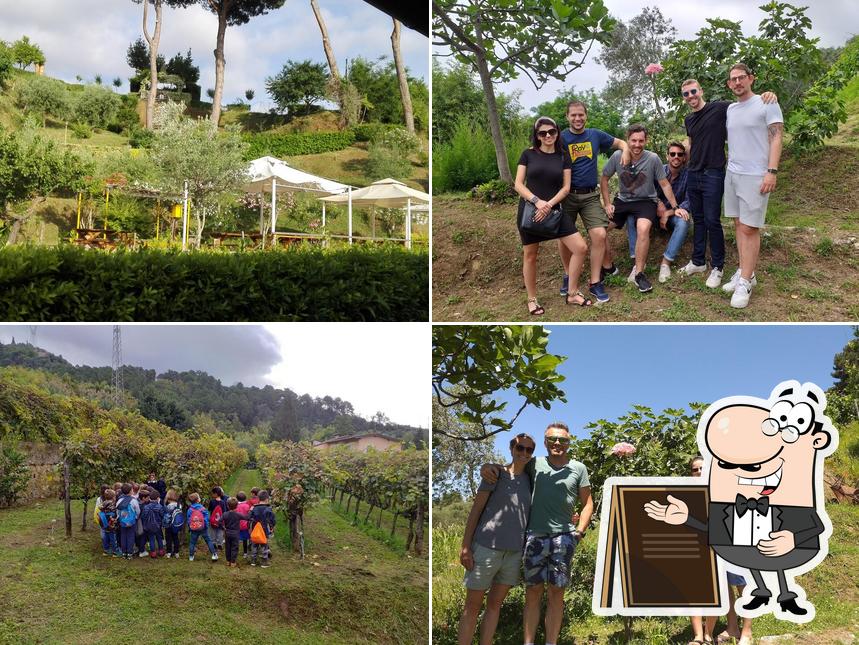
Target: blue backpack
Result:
[127, 514]
[173, 520]
[149, 518]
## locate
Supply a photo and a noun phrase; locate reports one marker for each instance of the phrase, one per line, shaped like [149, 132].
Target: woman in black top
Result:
[543, 178]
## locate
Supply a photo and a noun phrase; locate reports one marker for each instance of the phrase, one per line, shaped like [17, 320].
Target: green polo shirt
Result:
[555, 493]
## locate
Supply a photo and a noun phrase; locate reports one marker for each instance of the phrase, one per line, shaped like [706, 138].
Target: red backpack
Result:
[216, 516]
[198, 520]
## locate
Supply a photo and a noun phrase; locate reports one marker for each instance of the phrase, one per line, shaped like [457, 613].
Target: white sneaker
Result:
[742, 293]
[169, 555]
[190, 558]
[664, 272]
[691, 268]
[729, 286]
[214, 557]
[144, 554]
[714, 279]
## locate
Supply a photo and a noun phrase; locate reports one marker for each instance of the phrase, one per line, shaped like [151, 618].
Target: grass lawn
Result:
[349, 589]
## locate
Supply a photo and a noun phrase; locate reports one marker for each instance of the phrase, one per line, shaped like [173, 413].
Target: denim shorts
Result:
[493, 566]
[547, 559]
[734, 579]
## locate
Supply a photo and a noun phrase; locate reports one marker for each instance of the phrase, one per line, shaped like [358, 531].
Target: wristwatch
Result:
[774, 171]
[534, 199]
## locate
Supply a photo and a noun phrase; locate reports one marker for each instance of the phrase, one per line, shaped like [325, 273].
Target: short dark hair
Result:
[144, 494]
[155, 495]
[636, 127]
[263, 495]
[676, 144]
[741, 66]
[576, 102]
[217, 490]
[241, 496]
[557, 424]
[522, 435]
[232, 503]
[694, 459]
[254, 491]
[126, 489]
[102, 488]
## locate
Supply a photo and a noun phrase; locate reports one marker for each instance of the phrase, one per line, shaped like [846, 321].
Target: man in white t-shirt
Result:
[754, 150]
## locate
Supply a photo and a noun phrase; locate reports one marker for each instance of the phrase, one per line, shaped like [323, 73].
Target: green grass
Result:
[349, 589]
[831, 587]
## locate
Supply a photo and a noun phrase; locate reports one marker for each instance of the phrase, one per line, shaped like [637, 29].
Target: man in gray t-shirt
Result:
[636, 200]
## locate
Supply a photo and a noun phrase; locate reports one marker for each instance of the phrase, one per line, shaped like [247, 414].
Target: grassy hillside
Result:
[349, 589]
[807, 270]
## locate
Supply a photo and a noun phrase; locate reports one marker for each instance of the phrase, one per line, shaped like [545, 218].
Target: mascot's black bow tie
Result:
[761, 505]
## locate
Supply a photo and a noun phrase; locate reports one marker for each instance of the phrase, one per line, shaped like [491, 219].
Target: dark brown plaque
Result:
[660, 565]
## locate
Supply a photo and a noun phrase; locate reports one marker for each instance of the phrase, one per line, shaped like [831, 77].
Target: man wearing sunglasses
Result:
[674, 220]
[559, 482]
[754, 150]
[706, 137]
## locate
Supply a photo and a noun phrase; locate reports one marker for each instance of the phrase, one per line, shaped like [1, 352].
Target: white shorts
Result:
[743, 199]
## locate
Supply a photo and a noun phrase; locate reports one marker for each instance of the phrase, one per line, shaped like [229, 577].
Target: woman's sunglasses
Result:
[526, 449]
[547, 133]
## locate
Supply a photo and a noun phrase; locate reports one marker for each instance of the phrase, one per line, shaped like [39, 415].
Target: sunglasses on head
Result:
[526, 449]
[693, 92]
[547, 133]
[676, 154]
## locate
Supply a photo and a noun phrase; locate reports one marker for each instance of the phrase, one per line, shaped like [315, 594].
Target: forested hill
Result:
[183, 400]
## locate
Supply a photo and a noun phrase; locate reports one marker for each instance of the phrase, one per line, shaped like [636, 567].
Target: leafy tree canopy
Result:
[137, 56]
[298, 83]
[603, 114]
[26, 53]
[472, 364]
[183, 67]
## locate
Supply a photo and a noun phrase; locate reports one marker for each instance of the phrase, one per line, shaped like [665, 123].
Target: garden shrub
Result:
[389, 154]
[81, 130]
[43, 96]
[291, 145]
[308, 283]
[96, 106]
[14, 473]
[371, 131]
[495, 191]
[141, 138]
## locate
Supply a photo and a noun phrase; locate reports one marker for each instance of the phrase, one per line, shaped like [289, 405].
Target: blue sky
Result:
[611, 367]
[85, 38]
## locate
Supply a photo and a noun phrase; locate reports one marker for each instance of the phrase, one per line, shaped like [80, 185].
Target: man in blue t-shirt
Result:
[584, 144]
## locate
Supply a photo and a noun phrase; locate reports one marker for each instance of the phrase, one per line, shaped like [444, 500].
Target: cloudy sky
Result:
[833, 21]
[375, 366]
[89, 37]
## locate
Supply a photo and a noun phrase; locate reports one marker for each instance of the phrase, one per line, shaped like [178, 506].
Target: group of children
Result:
[137, 519]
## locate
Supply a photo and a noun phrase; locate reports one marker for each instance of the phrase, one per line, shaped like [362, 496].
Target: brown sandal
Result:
[538, 308]
[586, 302]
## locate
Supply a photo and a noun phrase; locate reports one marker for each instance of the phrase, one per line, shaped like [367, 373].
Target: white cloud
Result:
[375, 366]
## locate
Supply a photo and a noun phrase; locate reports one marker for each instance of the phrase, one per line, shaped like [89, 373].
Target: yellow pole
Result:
[157, 216]
[79, 210]
[106, 206]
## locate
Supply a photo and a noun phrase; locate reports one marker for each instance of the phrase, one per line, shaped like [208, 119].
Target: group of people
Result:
[147, 520]
[558, 175]
[524, 523]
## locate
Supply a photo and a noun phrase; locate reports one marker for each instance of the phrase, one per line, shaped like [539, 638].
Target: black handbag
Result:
[546, 227]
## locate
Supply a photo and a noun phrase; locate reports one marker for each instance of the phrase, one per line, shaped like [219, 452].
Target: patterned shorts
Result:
[548, 558]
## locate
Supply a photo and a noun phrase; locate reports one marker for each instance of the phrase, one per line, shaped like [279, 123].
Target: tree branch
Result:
[457, 31]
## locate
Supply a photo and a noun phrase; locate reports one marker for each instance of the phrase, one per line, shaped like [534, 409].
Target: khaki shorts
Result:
[587, 206]
[743, 199]
[493, 566]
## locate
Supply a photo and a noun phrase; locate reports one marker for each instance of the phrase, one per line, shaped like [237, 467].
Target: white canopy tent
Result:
[388, 193]
[268, 174]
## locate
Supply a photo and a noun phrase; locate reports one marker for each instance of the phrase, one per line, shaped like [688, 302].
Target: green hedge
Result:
[345, 284]
[291, 145]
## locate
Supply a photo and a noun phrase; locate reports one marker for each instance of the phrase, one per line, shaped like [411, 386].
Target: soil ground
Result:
[808, 268]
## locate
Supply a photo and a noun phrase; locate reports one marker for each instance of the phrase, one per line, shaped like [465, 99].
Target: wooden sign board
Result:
[645, 567]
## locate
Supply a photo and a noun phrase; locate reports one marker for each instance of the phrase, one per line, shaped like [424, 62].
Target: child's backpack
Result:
[149, 518]
[197, 521]
[127, 514]
[258, 534]
[177, 521]
[107, 520]
[217, 516]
